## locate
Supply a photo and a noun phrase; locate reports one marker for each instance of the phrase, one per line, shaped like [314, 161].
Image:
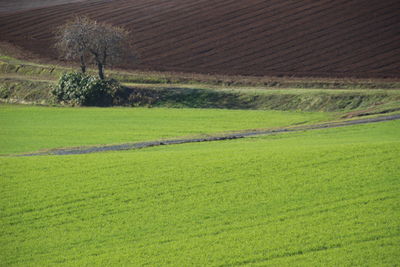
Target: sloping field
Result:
[253, 37]
[323, 198]
[17, 5]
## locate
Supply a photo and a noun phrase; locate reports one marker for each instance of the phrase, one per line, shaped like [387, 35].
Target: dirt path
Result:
[95, 149]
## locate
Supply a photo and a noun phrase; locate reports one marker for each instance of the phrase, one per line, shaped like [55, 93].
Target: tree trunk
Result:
[83, 65]
[101, 71]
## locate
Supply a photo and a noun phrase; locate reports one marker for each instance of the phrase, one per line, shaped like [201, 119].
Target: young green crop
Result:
[29, 128]
[320, 198]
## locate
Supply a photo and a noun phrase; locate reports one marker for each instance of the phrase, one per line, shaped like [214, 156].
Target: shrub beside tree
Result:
[85, 90]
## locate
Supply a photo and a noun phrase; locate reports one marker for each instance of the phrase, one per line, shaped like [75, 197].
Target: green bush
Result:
[4, 91]
[85, 90]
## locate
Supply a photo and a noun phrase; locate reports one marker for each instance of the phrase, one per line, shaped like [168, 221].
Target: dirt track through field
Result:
[96, 149]
[343, 38]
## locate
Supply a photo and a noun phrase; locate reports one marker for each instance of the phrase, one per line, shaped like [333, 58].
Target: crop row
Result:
[329, 38]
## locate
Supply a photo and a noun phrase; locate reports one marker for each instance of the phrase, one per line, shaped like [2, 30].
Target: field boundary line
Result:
[140, 145]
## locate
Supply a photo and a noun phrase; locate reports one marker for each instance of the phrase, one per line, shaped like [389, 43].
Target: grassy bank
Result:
[16, 89]
[327, 197]
[250, 98]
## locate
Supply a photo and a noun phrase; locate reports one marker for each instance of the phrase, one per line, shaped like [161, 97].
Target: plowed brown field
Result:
[17, 5]
[342, 38]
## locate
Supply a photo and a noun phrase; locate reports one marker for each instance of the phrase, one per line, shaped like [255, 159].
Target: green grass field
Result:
[30, 128]
[319, 198]
[315, 198]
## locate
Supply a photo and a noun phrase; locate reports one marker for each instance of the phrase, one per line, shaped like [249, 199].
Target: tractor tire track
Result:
[140, 145]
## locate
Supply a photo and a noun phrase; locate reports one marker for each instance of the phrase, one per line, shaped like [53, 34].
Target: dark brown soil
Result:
[301, 38]
[8, 6]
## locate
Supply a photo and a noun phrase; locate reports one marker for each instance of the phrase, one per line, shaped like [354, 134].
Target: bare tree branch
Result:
[86, 40]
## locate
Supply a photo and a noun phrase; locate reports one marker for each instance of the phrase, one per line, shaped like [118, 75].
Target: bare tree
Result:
[108, 46]
[73, 39]
[89, 40]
